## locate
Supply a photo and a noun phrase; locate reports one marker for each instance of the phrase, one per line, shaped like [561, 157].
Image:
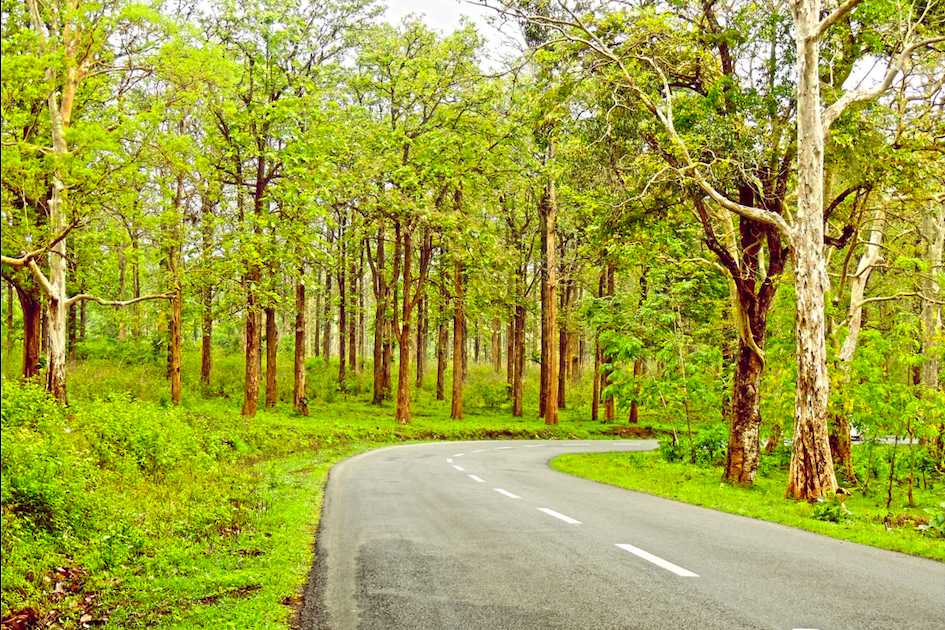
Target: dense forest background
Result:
[718, 222]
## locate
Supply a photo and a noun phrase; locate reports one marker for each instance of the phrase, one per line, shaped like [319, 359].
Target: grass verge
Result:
[868, 523]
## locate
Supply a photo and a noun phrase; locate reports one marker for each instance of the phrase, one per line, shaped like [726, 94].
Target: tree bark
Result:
[402, 414]
[342, 304]
[272, 357]
[549, 218]
[811, 473]
[317, 311]
[299, 399]
[459, 317]
[206, 293]
[353, 282]
[933, 229]
[609, 401]
[206, 339]
[8, 347]
[73, 330]
[31, 306]
[743, 454]
[327, 317]
[518, 376]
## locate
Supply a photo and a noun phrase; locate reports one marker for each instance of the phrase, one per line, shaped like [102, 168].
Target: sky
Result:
[445, 15]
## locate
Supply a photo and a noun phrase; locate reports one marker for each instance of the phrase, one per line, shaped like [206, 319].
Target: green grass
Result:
[133, 512]
[647, 472]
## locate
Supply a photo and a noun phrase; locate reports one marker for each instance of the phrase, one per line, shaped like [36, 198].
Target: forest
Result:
[241, 238]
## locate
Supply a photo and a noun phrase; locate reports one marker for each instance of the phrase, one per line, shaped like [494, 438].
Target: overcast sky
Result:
[445, 15]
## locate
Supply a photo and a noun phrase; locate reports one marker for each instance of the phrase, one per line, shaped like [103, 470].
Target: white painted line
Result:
[649, 557]
[533, 446]
[559, 515]
[504, 448]
[476, 479]
[459, 468]
[449, 460]
[506, 493]
[458, 455]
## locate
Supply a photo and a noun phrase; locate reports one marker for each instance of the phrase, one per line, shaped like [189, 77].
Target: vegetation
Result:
[245, 238]
[910, 525]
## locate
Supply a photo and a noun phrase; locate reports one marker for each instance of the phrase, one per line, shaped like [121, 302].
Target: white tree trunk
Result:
[933, 228]
[858, 282]
[811, 475]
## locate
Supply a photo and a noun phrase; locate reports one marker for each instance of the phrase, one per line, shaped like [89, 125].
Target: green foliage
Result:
[936, 525]
[867, 521]
[833, 510]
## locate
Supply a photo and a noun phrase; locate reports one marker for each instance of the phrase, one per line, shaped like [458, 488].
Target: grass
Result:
[126, 511]
[648, 472]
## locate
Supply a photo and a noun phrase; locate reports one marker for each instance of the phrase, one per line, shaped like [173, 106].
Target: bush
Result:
[671, 450]
[833, 511]
[711, 446]
[936, 525]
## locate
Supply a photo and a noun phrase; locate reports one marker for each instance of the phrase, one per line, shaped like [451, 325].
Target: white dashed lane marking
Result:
[506, 493]
[649, 557]
[476, 479]
[459, 468]
[560, 516]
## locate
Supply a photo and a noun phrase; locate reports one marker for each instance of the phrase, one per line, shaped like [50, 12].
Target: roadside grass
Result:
[124, 510]
[702, 485]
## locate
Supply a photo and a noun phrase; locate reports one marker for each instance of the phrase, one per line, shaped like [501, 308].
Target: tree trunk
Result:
[509, 352]
[409, 301]
[31, 306]
[272, 357]
[380, 317]
[206, 292]
[175, 326]
[317, 329]
[496, 354]
[741, 462]
[8, 347]
[342, 308]
[73, 329]
[326, 317]
[811, 473]
[206, 340]
[442, 340]
[595, 399]
[549, 214]
[634, 416]
[362, 342]
[609, 401]
[82, 320]
[518, 376]
[421, 341]
[459, 317]
[933, 228]
[251, 375]
[299, 399]
[353, 282]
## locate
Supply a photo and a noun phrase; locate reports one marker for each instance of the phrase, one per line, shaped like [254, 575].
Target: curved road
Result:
[485, 535]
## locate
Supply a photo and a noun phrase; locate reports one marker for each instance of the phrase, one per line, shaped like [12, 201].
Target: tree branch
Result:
[896, 65]
[838, 14]
[83, 297]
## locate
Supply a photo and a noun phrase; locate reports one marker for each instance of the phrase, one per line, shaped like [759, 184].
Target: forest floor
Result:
[864, 520]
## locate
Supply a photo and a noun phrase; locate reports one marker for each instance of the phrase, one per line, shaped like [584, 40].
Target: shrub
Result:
[833, 511]
[671, 450]
[711, 445]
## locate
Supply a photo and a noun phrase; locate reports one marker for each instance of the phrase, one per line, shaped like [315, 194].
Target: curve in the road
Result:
[410, 538]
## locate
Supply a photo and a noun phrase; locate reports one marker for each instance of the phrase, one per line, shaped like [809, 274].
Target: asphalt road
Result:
[471, 535]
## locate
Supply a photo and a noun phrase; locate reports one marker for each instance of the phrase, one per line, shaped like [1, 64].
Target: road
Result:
[472, 535]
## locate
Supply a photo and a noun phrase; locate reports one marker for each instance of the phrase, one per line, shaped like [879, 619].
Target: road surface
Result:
[471, 535]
